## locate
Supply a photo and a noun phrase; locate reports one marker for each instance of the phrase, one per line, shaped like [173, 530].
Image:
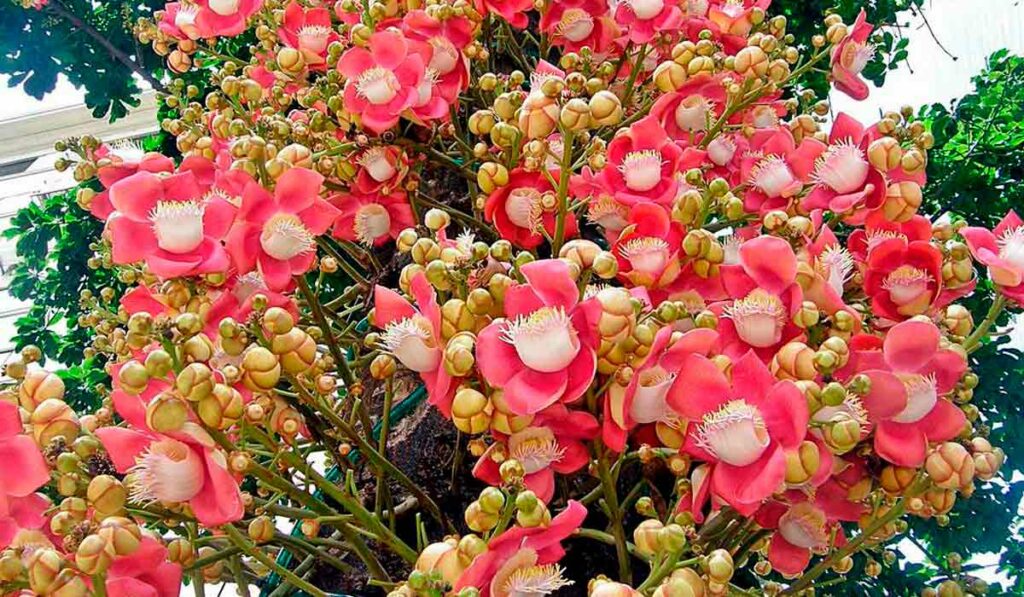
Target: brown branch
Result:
[116, 53]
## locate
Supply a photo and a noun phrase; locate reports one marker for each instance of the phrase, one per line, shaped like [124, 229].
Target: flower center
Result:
[247, 285]
[649, 405]
[803, 525]
[576, 25]
[764, 117]
[877, 237]
[445, 57]
[168, 471]
[855, 56]
[922, 395]
[835, 265]
[535, 448]
[851, 406]
[731, 250]
[733, 8]
[284, 236]
[607, 213]
[178, 225]
[224, 8]
[522, 576]
[647, 254]
[721, 150]
[378, 85]
[523, 208]
[692, 113]
[372, 222]
[1011, 247]
[425, 90]
[735, 434]
[773, 177]
[907, 284]
[185, 19]
[646, 9]
[377, 163]
[642, 170]
[759, 318]
[313, 38]
[842, 168]
[545, 340]
[411, 341]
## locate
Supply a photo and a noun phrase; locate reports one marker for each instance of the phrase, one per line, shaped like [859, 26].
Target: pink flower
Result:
[275, 234]
[744, 427]
[845, 182]
[513, 11]
[545, 351]
[776, 168]
[170, 222]
[372, 219]
[573, 24]
[382, 81]
[518, 213]
[903, 278]
[146, 572]
[22, 518]
[645, 399]
[911, 350]
[1002, 252]
[413, 336]
[236, 298]
[643, 164]
[687, 112]
[115, 164]
[309, 31]
[24, 472]
[733, 18]
[850, 56]
[225, 18]
[648, 248]
[179, 21]
[381, 168]
[553, 443]
[764, 296]
[830, 267]
[643, 20]
[877, 230]
[524, 554]
[446, 39]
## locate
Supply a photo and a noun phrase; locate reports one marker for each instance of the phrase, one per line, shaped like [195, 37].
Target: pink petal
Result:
[888, 395]
[126, 586]
[123, 445]
[388, 48]
[580, 374]
[319, 217]
[550, 279]
[945, 422]
[243, 245]
[426, 301]
[902, 445]
[389, 306]
[132, 240]
[277, 274]
[297, 189]
[10, 421]
[496, 359]
[911, 344]
[521, 300]
[745, 485]
[787, 558]
[24, 470]
[785, 413]
[700, 388]
[770, 261]
[528, 391]
[542, 483]
[137, 195]
[219, 501]
[751, 379]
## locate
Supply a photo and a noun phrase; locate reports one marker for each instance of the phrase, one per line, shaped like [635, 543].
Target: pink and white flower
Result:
[1002, 251]
[310, 31]
[383, 79]
[850, 56]
[371, 219]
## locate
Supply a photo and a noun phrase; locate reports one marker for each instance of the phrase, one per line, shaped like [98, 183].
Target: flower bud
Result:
[802, 463]
[43, 566]
[719, 566]
[751, 62]
[605, 108]
[605, 265]
[794, 361]
[950, 466]
[122, 535]
[490, 176]
[38, 386]
[481, 122]
[683, 582]
[673, 537]
[478, 520]
[669, 76]
[53, 418]
[195, 382]
[538, 116]
[441, 558]
[107, 495]
[902, 199]
[278, 321]
[458, 355]
[223, 408]
[539, 516]
[261, 529]
[897, 479]
[575, 115]
[261, 369]
[492, 500]
[296, 349]
[166, 413]
[841, 433]
[471, 411]
[647, 537]
[92, 556]
[511, 471]
[602, 587]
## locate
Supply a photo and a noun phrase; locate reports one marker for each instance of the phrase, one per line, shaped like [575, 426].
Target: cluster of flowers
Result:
[688, 269]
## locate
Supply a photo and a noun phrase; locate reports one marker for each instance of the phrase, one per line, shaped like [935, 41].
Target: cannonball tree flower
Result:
[903, 278]
[765, 295]
[573, 24]
[24, 518]
[825, 272]
[24, 472]
[552, 443]
[689, 111]
[647, 249]
[806, 525]
[372, 219]
[519, 211]
[743, 427]
[513, 11]
[413, 336]
[642, 166]
[382, 167]
[308, 30]
[170, 223]
[644, 400]
[146, 571]
[734, 18]
[178, 20]
[114, 163]
[912, 351]
[777, 168]
[850, 56]
[545, 350]
[1002, 251]
[446, 38]
[524, 561]
[878, 229]
[225, 18]
[382, 80]
[643, 20]
[845, 181]
[235, 300]
[275, 233]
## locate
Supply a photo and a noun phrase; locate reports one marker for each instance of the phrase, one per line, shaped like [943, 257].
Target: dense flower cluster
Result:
[646, 262]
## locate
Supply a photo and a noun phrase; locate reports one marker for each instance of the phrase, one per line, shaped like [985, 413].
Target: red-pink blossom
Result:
[690, 110]
[744, 427]
[647, 250]
[643, 20]
[146, 572]
[235, 300]
[850, 56]
[179, 21]
[845, 182]
[878, 229]
[513, 11]
[115, 164]
[275, 233]
[531, 551]
[573, 24]
[24, 472]
[225, 18]
[544, 352]
[372, 219]
[446, 39]
[380, 167]
[903, 278]
[552, 443]
[382, 81]
[413, 335]
[310, 31]
[1002, 251]
[777, 168]
[643, 165]
[517, 210]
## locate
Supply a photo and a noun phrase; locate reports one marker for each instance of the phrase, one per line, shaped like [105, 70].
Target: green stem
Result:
[564, 174]
[973, 342]
[611, 499]
[253, 551]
